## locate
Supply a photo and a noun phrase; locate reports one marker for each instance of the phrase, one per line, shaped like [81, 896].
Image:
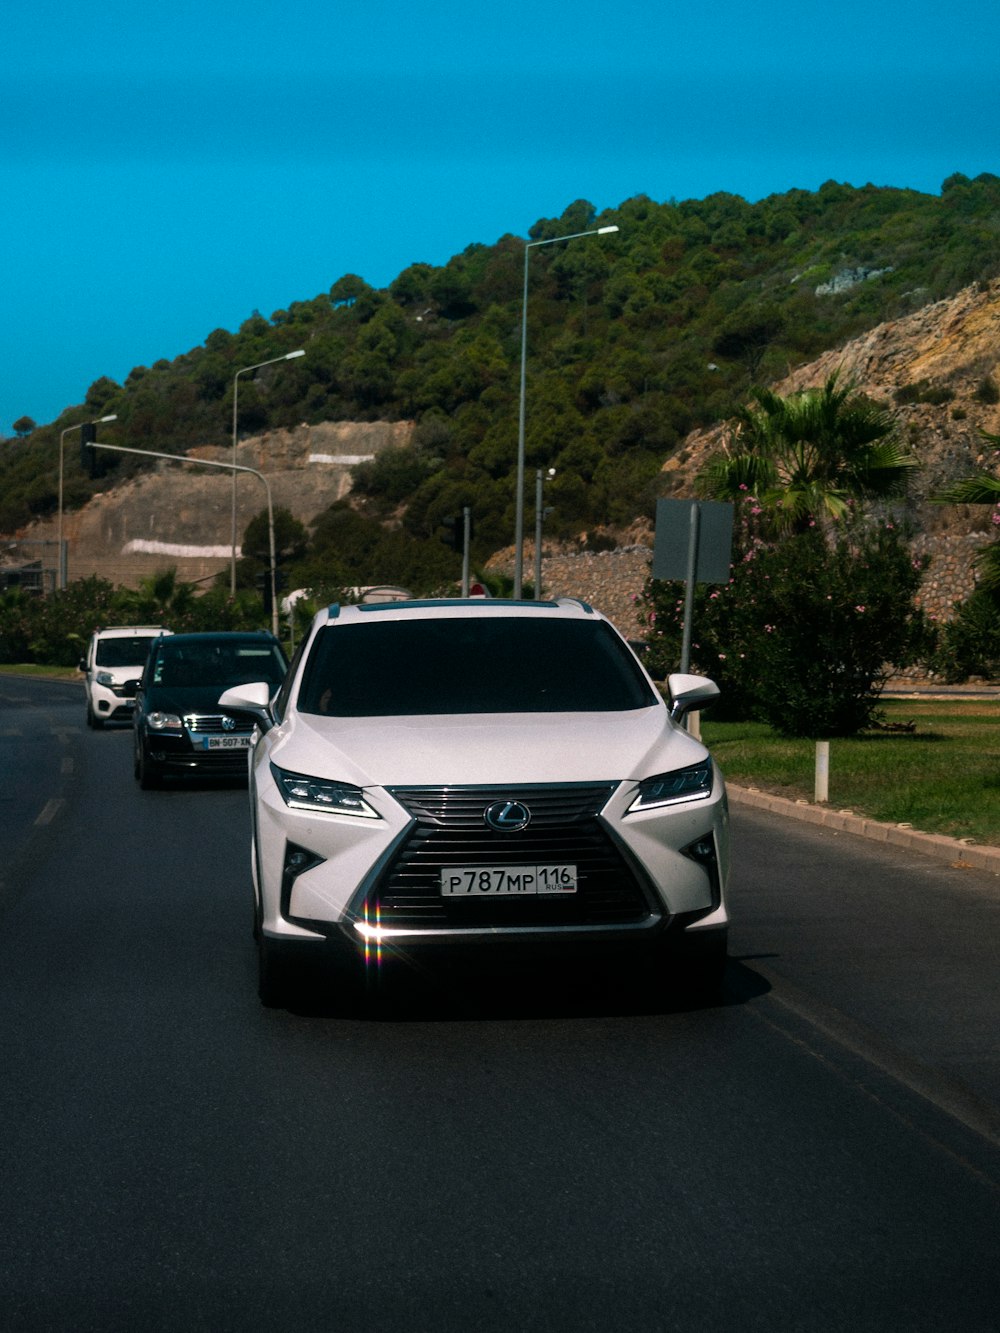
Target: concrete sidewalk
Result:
[954, 850]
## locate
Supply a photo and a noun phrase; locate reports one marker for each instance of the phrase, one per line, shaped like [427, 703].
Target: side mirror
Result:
[82, 664]
[689, 694]
[254, 699]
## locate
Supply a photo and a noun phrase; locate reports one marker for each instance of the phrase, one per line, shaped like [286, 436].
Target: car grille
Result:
[450, 831]
[214, 724]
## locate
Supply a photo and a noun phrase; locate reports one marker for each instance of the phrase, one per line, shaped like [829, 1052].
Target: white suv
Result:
[472, 774]
[112, 667]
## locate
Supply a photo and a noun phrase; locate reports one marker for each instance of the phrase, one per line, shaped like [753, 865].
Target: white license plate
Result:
[506, 881]
[226, 743]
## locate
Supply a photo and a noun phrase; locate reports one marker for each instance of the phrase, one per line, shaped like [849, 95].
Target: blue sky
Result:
[168, 170]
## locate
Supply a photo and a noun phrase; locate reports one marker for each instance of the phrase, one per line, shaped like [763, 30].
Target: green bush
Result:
[803, 633]
[970, 642]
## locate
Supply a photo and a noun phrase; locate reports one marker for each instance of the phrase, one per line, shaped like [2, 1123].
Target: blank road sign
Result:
[673, 540]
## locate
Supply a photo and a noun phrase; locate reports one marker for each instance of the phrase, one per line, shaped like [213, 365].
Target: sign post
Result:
[694, 542]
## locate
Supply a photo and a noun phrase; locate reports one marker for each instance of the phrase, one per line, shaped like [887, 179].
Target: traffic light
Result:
[88, 454]
[453, 535]
[263, 582]
[455, 530]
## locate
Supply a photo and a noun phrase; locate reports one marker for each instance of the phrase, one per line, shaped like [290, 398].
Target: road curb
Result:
[953, 850]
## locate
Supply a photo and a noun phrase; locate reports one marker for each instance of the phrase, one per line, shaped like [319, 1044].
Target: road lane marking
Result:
[66, 766]
[49, 811]
[932, 1085]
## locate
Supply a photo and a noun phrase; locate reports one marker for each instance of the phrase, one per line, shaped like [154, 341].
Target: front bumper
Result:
[108, 705]
[648, 874]
[180, 755]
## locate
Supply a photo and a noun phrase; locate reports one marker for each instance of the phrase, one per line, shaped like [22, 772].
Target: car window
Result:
[513, 664]
[280, 703]
[223, 664]
[122, 652]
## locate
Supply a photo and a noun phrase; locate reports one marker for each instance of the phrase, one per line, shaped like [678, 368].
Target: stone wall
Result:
[950, 576]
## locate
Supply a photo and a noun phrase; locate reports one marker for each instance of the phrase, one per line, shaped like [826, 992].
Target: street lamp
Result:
[289, 356]
[541, 514]
[204, 462]
[519, 499]
[61, 580]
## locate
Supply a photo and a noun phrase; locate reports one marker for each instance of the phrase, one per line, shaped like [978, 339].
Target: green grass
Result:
[944, 777]
[36, 669]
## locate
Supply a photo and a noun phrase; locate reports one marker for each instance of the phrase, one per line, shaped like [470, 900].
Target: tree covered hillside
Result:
[633, 339]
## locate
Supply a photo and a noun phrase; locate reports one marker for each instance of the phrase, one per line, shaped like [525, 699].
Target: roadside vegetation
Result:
[941, 777]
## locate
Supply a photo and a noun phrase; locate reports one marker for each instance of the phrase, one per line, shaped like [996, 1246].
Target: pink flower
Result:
[859, 608]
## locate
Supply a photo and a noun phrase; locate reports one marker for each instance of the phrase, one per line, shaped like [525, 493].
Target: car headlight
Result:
[164, 722]
[105, 678]
[683, 784]
[306, 793]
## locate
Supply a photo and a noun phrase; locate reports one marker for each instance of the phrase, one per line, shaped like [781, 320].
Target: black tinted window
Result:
[220, 663]
[122, 652]
[463, 665]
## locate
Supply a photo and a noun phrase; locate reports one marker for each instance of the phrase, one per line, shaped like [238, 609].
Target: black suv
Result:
[179, 728]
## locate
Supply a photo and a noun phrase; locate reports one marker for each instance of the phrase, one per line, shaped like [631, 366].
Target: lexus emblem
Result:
[507, 816]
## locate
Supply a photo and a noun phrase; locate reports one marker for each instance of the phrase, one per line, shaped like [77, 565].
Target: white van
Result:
[112, 667]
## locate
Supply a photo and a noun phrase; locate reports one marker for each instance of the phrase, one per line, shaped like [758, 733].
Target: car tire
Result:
[146, 772]
[279, 983]
[93, 721]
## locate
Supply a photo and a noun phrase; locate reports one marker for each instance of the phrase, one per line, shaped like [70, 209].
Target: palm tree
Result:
[981, 489]
[809, 456]
[162, 599]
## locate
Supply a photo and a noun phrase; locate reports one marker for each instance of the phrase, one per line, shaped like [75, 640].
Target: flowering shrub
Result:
[803, 633]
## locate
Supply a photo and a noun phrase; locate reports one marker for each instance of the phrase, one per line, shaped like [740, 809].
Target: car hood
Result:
[485, 749]
[181, 699]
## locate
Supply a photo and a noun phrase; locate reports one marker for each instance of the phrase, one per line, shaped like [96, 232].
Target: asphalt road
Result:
[819, 1152]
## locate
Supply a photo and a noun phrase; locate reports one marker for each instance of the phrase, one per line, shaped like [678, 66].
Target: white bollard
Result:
[822, 771]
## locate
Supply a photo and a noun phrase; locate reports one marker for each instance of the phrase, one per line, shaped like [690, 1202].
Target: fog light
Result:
[297, 861]
[702, 851]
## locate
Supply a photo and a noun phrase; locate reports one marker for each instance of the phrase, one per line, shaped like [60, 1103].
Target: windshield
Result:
[123, 652]
[510, 664]
[213, 663]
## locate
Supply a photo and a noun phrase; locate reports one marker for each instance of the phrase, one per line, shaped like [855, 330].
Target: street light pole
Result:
[519, 498]
[541, 513]
[204, 462]
[61, 557]
[245, 370]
